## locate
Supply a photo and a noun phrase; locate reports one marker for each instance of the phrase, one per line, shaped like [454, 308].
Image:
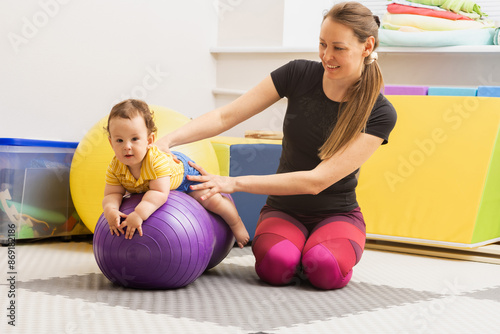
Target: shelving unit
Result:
[381, 49]
[461, 66]
[476, 49]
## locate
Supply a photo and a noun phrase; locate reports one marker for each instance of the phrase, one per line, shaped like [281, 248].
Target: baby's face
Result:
[129, 139]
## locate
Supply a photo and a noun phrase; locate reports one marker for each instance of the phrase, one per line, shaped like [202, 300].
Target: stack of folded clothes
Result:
[433, 23]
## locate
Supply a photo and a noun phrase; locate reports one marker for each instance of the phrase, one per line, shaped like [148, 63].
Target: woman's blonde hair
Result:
[360, 98]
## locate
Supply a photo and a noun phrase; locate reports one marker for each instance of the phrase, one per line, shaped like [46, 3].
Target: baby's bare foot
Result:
[241, 234]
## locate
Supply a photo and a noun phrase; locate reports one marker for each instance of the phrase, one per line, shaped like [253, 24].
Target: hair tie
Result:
[371, 58]
[377, 20]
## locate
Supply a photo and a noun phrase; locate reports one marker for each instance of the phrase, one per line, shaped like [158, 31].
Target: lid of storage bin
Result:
[36, 142]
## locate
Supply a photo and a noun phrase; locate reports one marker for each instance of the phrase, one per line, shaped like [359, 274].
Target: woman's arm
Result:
[314, 181]
[221, 119]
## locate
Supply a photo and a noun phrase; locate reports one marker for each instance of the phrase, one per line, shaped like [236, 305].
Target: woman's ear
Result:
[369, 46]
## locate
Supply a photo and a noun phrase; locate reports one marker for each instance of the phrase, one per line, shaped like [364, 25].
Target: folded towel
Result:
[468, 6]
[396, 21]
[415, 4]
[395, 8]
[438, 38]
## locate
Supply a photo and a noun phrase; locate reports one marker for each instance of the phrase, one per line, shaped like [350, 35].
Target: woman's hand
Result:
[163, 146]
[216, 183]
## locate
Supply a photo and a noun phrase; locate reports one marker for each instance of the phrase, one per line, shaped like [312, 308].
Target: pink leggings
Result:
[326, 253]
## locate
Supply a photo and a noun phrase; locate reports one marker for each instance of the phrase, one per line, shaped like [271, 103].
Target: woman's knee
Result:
[327, 269]
[277, 247]
[278, 260]
[331, 252]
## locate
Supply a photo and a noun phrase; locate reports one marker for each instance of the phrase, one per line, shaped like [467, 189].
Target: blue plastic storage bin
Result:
[35, 199]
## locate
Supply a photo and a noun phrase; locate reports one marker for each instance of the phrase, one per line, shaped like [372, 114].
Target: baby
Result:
[140, 167]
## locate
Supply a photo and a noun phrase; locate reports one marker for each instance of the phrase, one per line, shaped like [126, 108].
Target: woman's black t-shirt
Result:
[309, 119]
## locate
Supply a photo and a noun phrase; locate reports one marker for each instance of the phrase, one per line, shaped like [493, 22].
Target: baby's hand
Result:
[133, 222]
[114, 218]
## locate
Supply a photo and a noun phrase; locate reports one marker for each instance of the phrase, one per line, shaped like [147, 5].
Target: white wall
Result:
[65, 63]
[302, 22]
[250, 22]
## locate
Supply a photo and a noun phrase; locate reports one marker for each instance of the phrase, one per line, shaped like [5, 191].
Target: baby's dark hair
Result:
[131, 108]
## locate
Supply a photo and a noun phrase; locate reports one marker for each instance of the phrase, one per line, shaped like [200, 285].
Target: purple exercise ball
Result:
[176, 247]
[224, 238]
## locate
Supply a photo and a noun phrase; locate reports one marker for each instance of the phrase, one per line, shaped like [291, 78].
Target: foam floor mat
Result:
[60, 289]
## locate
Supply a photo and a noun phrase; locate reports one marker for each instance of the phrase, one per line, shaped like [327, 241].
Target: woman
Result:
[311, 221]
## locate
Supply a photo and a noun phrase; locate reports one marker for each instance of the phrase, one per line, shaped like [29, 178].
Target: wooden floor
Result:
[487, 254]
